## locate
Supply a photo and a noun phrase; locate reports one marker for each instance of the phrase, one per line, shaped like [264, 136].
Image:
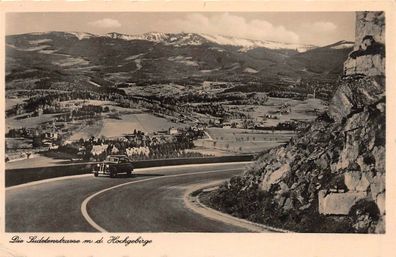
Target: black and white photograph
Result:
[203, 122]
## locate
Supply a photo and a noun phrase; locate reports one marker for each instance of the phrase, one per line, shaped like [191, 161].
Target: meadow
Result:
[231, 141]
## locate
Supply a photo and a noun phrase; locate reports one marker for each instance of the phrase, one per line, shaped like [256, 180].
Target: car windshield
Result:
[111, 159]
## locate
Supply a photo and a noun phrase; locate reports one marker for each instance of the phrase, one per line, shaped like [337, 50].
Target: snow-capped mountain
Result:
[159, 57]
[183, 39]
[152, 36]
[247, 44]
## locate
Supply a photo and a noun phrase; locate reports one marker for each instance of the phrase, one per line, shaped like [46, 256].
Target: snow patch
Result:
[209, 71]
[93, 83]
[183, 60]
[29, 49]
[153, 37]
[133, 57]
[40, 41]
[217, 49]
[81, 35]
[250, 70]
[71, 62]
[47, 51]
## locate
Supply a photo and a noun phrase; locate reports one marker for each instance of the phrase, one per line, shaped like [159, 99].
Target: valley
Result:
[160, 95]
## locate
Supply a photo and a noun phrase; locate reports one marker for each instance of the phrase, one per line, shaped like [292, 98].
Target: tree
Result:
[37, 141]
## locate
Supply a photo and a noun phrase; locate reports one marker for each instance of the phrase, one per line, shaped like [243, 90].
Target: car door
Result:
[123, 165]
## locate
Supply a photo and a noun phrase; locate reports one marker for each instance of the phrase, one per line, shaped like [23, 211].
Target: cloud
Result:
[320, 26]
[105, 23]
[233, 25]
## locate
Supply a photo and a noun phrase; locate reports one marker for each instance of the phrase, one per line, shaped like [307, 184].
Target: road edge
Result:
[193, 203]
[15, 177]
[84, 204]
[47, 180]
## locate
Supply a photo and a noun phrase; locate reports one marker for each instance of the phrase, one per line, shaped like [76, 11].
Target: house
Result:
[52, 135]
[98, 149]
[173, 131]
[138, 151]
[227, 125]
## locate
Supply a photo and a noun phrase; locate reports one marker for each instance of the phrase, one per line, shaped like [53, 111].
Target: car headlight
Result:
[107, 166]
[98, 165]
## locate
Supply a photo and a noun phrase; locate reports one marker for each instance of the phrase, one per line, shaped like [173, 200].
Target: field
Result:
[241, 140]
[145, 122]
[31, 122]
[301, 110]
[18, 143]
[233, 140]
[117, 122]
[126, 124]
[11, 102]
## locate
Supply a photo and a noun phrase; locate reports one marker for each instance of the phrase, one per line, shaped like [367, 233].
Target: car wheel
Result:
[96, 174]
[112, 174]
[129, 173]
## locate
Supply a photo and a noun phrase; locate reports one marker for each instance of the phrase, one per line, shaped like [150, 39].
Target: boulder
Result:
[348, 155]
[288, 205]
[274, 177]
[356, 181]
[370, 65]
[355, 94]
[338, 203]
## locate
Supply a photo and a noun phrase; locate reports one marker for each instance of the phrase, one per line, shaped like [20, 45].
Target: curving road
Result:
[150, 201]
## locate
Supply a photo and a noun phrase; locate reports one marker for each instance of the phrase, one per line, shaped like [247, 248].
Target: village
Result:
[152, 123]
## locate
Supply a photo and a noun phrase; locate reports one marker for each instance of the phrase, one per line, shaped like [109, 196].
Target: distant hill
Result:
[327, 59]
[74, 59]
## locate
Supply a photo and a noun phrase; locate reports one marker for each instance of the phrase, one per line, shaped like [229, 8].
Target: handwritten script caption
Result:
[110, 240]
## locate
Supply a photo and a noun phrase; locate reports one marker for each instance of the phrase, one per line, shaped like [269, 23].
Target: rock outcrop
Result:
[335, 167]
[368, 57]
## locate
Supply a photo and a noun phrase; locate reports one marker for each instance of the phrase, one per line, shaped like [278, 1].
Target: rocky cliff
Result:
[368, 57]
[331, 176]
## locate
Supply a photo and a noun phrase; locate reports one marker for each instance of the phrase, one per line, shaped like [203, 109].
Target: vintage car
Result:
[113, 165]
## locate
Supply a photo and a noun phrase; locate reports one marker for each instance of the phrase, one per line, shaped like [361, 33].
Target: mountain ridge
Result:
[42, 59]
[189, 39]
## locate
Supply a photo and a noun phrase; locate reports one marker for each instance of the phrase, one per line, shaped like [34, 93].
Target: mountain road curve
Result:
[152, 200]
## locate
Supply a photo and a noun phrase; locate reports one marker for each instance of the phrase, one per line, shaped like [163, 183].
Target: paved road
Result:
[150, 201]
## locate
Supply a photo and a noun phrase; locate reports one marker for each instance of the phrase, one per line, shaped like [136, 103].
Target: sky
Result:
[316, 28]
